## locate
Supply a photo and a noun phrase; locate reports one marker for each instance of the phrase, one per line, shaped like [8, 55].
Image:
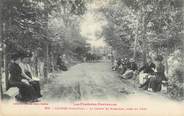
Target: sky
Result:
[91, 26]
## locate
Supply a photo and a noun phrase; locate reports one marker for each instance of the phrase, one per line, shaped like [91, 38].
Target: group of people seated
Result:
[151, 75]
[22, 77]
[124, 66]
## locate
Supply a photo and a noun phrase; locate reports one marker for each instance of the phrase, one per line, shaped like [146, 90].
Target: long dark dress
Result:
[35, 84]
[155, 82]
[147, 68]
[26, 92]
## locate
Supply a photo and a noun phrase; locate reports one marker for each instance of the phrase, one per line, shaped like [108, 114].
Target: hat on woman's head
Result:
[25, 54]
[29, 54]
[15, 56]
[131, 60]
[159, 58]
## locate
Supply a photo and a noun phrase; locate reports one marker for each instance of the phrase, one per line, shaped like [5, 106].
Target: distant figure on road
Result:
[115, 65]
[61, 64]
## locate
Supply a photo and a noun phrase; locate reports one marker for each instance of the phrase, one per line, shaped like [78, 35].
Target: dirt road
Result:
[88, 81]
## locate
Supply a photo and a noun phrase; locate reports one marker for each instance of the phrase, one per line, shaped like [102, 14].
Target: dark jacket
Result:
[15, 72]
[148, 68]
[132, 66]
[160, 72]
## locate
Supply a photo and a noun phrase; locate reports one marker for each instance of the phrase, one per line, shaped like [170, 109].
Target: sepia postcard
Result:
[92, 57]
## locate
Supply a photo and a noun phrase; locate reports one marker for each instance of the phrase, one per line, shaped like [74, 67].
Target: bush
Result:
[176, 75]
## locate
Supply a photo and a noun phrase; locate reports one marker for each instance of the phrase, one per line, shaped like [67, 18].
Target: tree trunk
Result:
[136, 38]
[135, 45]
[36, 65]
[145, 47]
[6, 60]
[1, 38]
[46, 63]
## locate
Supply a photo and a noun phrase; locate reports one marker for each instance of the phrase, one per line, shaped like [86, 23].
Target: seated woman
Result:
[27, 70]
[114, 67]
[131, 68]
[20, 80]
[156, 81]
[145, 72]
[122, 67]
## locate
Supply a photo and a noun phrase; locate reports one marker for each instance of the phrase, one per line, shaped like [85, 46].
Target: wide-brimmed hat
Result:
[15, 55]
[131, 60]
[18, 54]
[28, 54]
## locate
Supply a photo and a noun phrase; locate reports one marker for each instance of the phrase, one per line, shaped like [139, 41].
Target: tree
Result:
[162, 22]
[64, 25]
[1, 45]
[27, 25]
[154, 24]
[121, 30]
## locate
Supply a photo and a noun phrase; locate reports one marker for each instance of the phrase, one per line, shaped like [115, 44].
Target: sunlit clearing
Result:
[91, 25]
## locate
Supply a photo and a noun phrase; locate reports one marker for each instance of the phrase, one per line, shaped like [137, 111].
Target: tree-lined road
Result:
[85, 81]
[88, 81]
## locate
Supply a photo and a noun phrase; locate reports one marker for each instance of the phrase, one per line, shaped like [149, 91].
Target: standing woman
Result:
[156, 81]
[19, 80]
